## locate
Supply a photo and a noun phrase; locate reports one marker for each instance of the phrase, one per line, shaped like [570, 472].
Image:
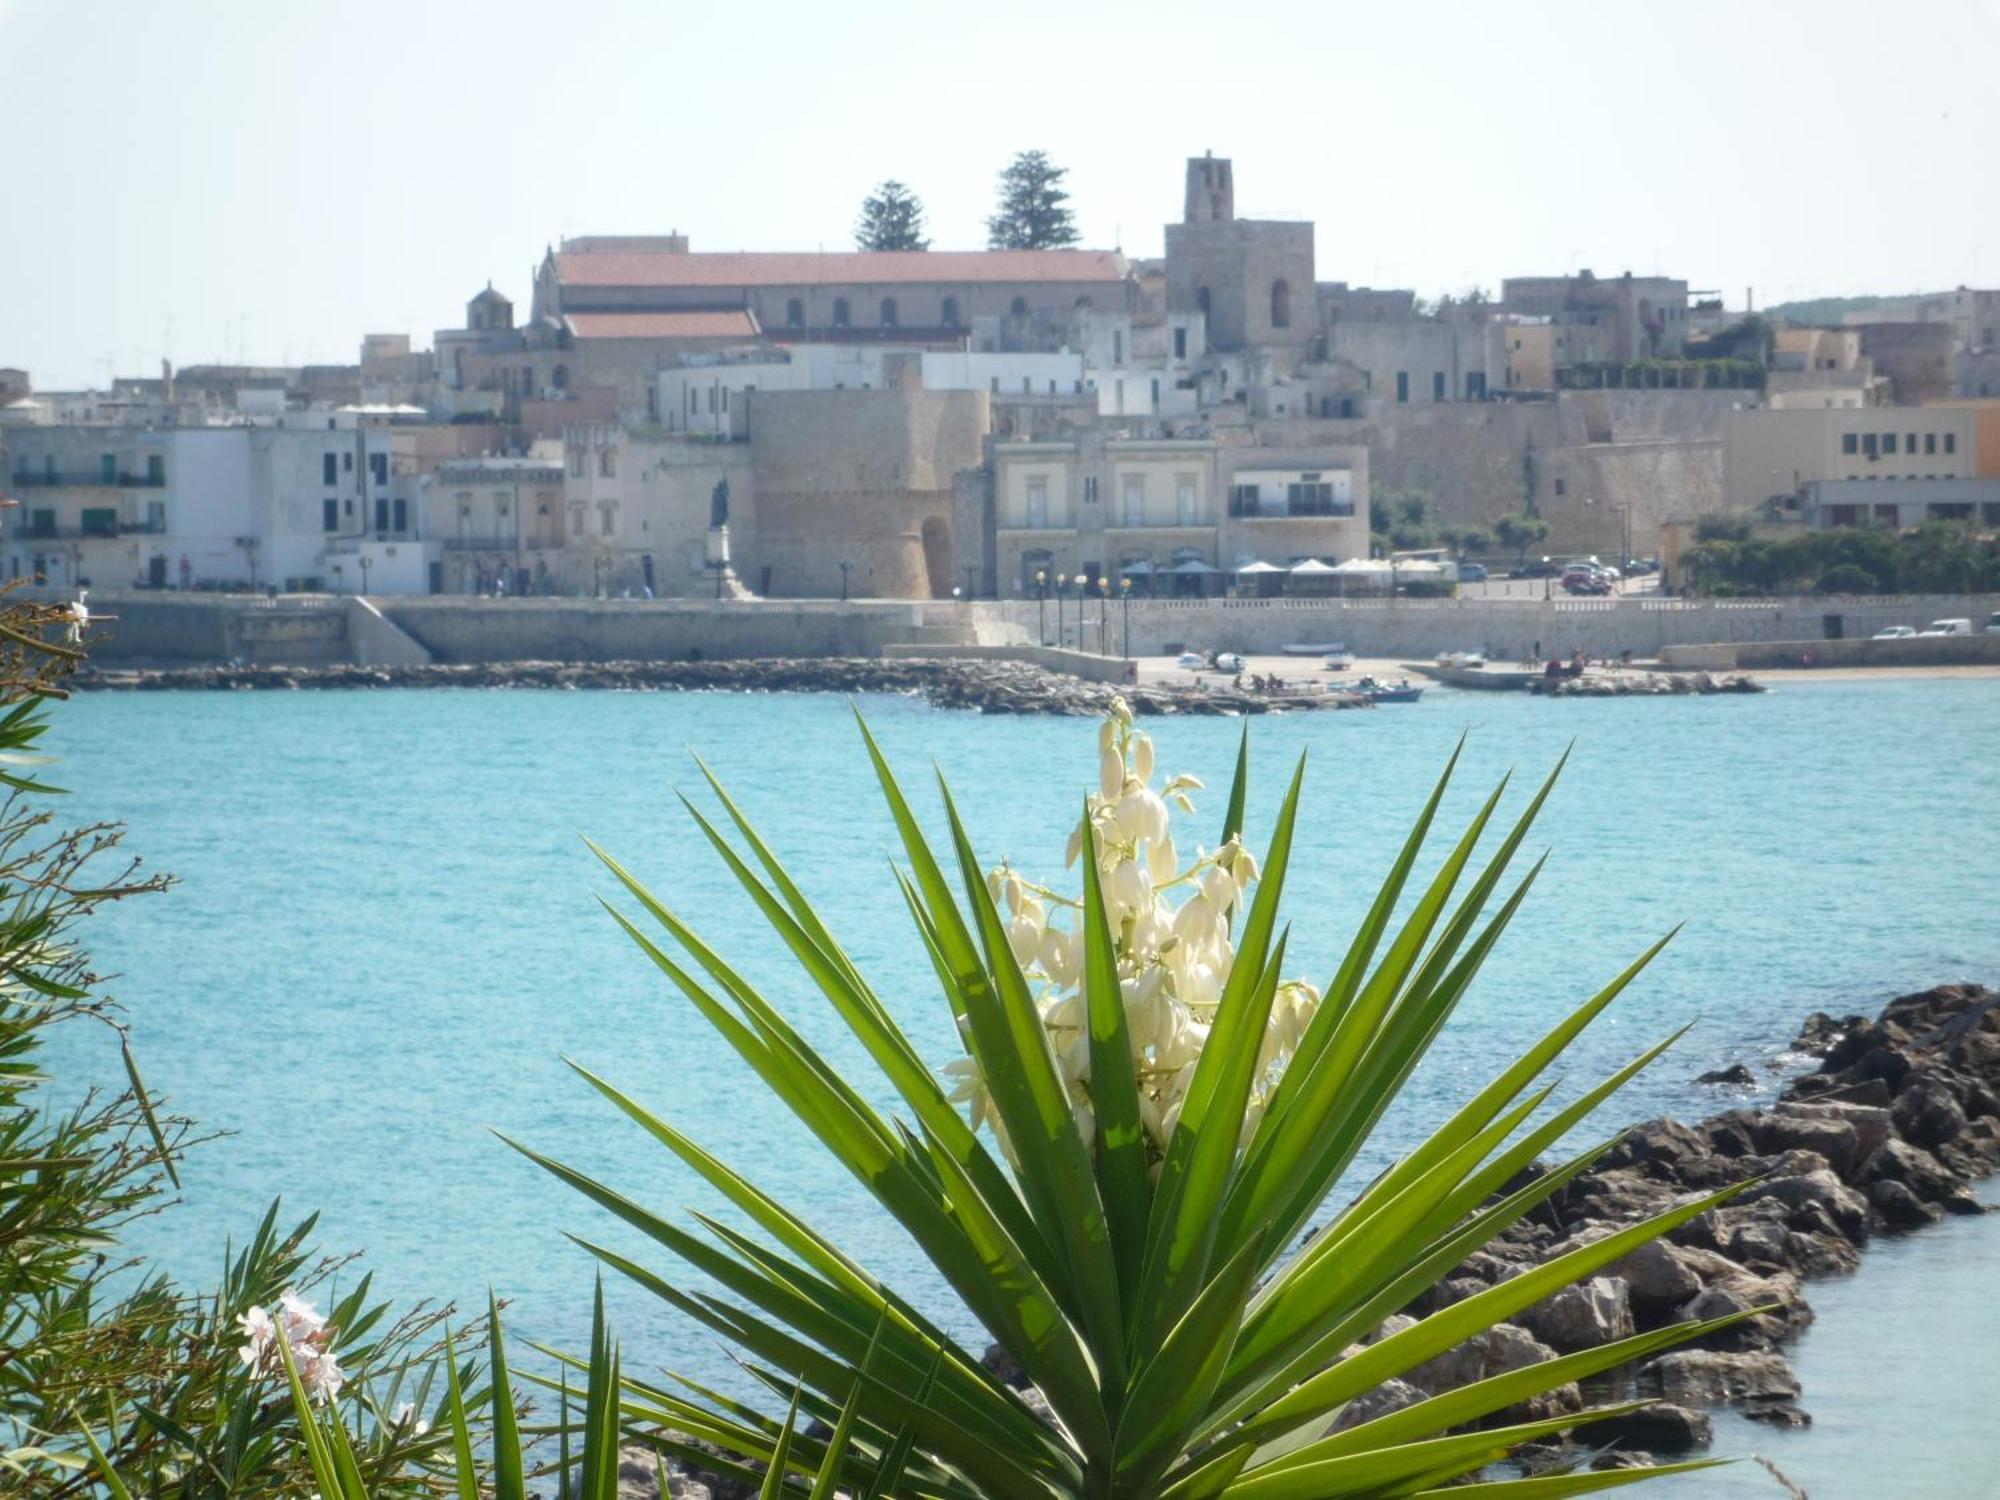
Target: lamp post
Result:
[1103, 616]
[1547, 592]
[1125, 601]
[970, 570]
[1062, 582]
[1042, 605]
[957, 594]
[845, 565]
[365, 561]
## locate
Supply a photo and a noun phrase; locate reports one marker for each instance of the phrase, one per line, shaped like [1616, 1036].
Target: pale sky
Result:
[225, 179]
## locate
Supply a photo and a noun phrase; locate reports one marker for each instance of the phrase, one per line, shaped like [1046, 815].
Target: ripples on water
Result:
[387, 935]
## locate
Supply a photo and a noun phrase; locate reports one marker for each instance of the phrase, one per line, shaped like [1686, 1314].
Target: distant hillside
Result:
[1832, 309]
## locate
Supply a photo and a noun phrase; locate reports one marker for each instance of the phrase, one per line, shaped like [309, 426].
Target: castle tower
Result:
[1211, 191]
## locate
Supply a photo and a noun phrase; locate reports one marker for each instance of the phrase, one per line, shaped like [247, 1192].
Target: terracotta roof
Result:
[840, 267]
[726, 323]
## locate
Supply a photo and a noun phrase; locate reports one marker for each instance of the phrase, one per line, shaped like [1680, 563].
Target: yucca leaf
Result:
[461, 1428]
[1239, 788]
[1562, 1486]
[774, 1476]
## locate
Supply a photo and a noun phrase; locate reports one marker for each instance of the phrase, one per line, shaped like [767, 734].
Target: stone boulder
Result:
[1659, 1276]
[1389, 1396]
[1899, 1207]
[639, 1472]
[1659, 1428]
[1712, 1377]
[1821, 1190]
[1501, 1348]
[1926, 1112]
[1914, 1167]
[1582, 1316]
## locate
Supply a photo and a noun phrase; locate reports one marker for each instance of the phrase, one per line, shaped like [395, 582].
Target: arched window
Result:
[1019, 309]
[1201, 300]
[840, 312]
[888, 318]
[1281, 305]
[560, 378]
[795, 313]
[951, 312]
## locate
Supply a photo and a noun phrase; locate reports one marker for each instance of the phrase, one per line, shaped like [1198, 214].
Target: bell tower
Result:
[1211, 191]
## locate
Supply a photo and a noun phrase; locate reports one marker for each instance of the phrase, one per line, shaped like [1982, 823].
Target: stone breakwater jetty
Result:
[994, 687]
[1888, 1135]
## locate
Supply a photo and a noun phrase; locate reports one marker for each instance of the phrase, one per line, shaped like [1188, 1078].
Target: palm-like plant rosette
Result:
[1170, 1114]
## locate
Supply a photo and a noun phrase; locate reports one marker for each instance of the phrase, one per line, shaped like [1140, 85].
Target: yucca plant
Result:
[1136, 1239]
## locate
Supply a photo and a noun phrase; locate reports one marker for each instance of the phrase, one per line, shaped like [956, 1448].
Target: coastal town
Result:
[1061, 432]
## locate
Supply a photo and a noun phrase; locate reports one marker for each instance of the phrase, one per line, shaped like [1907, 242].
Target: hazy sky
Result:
[213, 179]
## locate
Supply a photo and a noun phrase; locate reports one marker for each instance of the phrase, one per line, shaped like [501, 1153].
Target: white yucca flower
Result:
[1171, 929]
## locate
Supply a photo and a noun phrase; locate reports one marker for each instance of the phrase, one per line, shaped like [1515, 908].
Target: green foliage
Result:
[107, 1368]
[1033, 213]
[1519, 533]
[892, 218]
[1939, 557]
[1830, 310]
[1402, 517]
[1187, 1341]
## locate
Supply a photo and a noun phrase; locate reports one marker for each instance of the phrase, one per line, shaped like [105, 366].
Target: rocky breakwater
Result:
[1643, 685]
[1887, 1135]
[994, 687]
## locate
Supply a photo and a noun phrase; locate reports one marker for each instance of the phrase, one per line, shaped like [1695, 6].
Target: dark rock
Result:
[1926, 1113]
[1389, 1396]
[1914, 1167]
[1821, 1033]
[1581, 1316]
[1004, 1365]
[1778, 1414]
[1735, 1075]
[1659, 1276]
[1660, 1428]
[1899, 1207]
[1620, 1458]
[1847, 1209]
[1710, 1377]
[1962, 1202]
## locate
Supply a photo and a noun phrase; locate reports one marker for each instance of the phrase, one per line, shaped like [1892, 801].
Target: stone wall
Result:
[1934, 651]
[1087, 665]
[865, 478]
[1505, 629]
[133, 627]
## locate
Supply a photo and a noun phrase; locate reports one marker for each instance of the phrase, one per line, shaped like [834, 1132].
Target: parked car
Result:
[1228, 661]
[1960, 626]
[1471, 573]
[1993, 623]
[1897, 633]
[1191, 661]
[1542, 569]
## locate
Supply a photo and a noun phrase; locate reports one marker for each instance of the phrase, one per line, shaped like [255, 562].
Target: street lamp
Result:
[1062, 582]
[844, 566]
[1546, 591]
[364, 572]
[1125, 600]
[1103, 616]
[970, 570]
[1042, 605]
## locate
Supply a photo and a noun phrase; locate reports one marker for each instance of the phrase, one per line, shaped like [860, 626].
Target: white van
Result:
[1948, 627]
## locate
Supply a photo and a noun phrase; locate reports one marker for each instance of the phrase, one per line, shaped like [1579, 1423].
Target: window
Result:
[1930, 442]
[1281, 305]
[329, 515]
[607, 517]
[576, 520]
[840, 313]
[1184, 501]
[1180, 343]
[1117, 346]
[156, 469]
[725, 398]
[1201, 299]
[402, 514]
[329, 468]
[694, 401]
[527, 380]
[1868, 444]
[1038, 503]
[1156, 392]
[949, 317]
[1090, 490]
[347, 462]
[1402, 386]
[576, 463]
[560, 379]
[1243, 499]
[1134, 486]
[1888, 442]
[1849, 443]
[1018, 308]
[1560, 488]
[378, 467]
[795, 312]
[107, 468]
[1951, 442]
[381, 515]
[1437, 385]
[607, 462]
[888, 318]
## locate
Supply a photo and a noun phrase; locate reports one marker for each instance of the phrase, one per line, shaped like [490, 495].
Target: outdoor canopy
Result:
[1259, 567]
[1312, 567]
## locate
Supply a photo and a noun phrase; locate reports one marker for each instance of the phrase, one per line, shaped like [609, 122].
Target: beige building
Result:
[1770, 454]
[494, 524]
[1176, 515]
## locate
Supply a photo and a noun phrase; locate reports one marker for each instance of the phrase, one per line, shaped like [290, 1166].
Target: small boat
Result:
[1303, 648]
[1338, 657]
[1400, 691]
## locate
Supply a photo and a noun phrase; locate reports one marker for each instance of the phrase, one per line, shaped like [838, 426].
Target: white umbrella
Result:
[1419, 566]
[1359, 565]
[1312, 567]
[1259, 567]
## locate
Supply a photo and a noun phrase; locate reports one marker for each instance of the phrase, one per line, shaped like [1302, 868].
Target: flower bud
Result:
[1162, 859]
[1110, 774]
[1142, 757]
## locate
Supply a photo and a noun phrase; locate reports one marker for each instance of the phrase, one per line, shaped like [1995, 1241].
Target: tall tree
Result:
[892, 218]
[1033, 213]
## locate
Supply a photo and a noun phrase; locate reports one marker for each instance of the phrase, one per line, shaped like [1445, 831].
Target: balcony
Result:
[29, 479]
[29, 531]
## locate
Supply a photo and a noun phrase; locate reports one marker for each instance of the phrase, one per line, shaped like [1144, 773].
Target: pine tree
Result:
[892, 218]
[1033, 213]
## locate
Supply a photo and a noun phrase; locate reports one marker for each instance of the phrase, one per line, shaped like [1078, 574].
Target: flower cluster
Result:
[1171, 927]
[309, 1337]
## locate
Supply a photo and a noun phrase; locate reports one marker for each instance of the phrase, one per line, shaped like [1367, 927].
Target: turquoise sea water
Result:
[387, 936]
